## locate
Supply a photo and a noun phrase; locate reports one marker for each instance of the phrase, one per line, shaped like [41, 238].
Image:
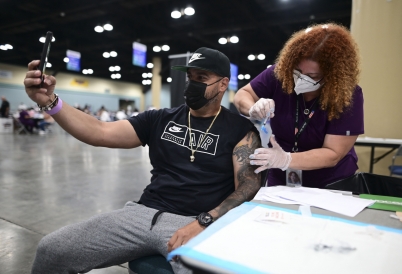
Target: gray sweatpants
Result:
[108, 239]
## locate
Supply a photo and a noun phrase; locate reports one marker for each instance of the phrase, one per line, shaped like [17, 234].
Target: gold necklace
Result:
[192, 158]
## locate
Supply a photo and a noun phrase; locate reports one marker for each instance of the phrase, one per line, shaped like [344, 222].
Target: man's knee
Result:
[52, 248]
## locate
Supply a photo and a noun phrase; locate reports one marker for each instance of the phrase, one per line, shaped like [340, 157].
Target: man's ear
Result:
[224, 84]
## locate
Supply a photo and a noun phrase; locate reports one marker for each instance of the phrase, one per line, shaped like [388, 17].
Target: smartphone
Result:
[45, 54]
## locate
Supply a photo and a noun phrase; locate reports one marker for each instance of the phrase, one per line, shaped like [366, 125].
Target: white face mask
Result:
[304, 84]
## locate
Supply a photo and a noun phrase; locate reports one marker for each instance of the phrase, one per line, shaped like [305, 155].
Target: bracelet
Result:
[49, 106]
[57, 108]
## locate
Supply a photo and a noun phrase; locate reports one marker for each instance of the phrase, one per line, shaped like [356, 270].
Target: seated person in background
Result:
[31, 112]
[5, 107]
[103, 114]
[120, 115]
[22, 106]
[200, 168]
[27, 120]
[47, 121]
[87, 109]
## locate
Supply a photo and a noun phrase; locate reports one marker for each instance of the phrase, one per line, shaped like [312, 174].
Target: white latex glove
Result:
[262, 109]
[274, 157]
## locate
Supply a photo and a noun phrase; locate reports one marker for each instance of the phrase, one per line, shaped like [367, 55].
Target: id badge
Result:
[293, 177]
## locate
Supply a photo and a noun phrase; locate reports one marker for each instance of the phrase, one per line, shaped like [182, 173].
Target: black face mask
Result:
[194, 94]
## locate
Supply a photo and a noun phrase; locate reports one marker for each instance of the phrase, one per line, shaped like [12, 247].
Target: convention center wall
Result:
[377, 29]
[74, 89]
[81, 90]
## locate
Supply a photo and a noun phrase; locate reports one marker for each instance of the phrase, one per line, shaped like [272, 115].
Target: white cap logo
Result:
[196, 56]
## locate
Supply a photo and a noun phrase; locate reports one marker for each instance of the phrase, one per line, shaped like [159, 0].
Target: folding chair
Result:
[20, 128]
[396, 169]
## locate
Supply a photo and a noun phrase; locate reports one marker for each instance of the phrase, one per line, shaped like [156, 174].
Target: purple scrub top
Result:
[351, 122]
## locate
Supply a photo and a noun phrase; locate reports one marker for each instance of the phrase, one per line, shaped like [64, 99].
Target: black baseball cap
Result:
[208, 59]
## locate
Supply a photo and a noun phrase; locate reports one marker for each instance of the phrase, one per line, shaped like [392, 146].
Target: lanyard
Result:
[298, 130]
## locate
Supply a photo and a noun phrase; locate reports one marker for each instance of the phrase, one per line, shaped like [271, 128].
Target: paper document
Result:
[268, 194]
[346, 205]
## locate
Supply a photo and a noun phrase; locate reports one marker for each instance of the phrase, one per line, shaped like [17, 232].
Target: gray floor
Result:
[49, 181]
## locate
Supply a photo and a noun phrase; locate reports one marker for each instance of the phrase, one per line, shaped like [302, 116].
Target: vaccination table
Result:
[327, 242]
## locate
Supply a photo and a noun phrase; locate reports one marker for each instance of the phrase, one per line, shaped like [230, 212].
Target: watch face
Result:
[205, 219]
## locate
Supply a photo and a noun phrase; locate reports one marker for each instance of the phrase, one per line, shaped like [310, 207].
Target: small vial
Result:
[265, 132]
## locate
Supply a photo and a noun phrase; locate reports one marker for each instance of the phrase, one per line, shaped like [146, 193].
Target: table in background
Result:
[378, 142]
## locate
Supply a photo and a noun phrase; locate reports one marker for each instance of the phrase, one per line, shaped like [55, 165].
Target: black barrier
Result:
[367, 183]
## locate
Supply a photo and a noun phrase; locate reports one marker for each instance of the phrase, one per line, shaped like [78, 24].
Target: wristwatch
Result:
[205, 219]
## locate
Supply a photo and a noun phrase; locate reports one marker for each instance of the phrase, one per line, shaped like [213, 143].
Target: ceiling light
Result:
[240, 76]
[149, 82]
[117, 68]
[157, 48]
[247, 76]
[90, 71]
[66, 60]
[118, 75]
[165, 48]
[251, 57]
[48, 65]
[84, 71]
[144, 82]
[222, 41]
[98, 29]
[169, 79]
[113, 54]
[150, 65]
[149, 74]
[261, 56]
[3, 47]
[8, 46]
[108, 27]
[175, 14]
[234, 39]
[144, 75]
[113, 76]
[269, 66]
[111, 68]
[189, 11]
[106, 54]
[43, 39]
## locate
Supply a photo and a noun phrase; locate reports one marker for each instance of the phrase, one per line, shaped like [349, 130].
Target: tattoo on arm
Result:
[248, 182]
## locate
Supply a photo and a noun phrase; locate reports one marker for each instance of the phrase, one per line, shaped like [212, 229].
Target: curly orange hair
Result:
[333, 48]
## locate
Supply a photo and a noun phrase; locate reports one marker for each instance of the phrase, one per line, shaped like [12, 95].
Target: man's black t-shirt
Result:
[178, 185]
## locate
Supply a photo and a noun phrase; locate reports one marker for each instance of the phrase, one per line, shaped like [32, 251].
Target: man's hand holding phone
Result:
[38, 85]
[39, 89]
